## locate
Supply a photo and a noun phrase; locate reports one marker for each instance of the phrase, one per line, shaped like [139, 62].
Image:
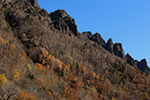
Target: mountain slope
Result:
[44, 57]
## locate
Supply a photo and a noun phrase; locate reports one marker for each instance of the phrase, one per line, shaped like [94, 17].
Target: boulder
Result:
[118, 50]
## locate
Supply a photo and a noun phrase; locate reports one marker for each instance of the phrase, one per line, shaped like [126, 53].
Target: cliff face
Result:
[63, 22]
[44, 57]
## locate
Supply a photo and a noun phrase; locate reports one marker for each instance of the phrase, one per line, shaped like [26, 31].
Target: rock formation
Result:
[118, 50]
[142, 65]
[62, 20]
[85, 35]
[98, 39]
[113, 48]
[61, 25]
[130, 60]
[38, 59]
[58, 14]
[34, 3]
[43, 12]
[109, 46]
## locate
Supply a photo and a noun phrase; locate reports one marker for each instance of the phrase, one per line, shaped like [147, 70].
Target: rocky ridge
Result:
[62, 21]
[115, 49]
[44, 57]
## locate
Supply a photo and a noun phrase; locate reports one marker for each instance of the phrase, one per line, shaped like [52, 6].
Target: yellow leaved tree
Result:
[3, 80]
[16, 76]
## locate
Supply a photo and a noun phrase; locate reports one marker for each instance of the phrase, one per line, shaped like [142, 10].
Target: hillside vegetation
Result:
[44, 57]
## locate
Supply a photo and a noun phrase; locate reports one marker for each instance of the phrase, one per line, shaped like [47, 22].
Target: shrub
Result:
[30, 76]
[40, 81]
[77, 65]
[113, 98]
[32, 97]
[39, 18]
[85, 44]
[8, 92]
[16, 76]
[49, 94]
[24, 95]
[27, 17]
[73, 81]
[123, 79]
[4, 5]
[25, 7]
[144, 95]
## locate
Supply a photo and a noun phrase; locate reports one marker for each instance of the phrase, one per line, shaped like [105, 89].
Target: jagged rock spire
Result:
[110, 46]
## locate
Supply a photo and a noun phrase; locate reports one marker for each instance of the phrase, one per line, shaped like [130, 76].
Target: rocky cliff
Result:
[44, 57]
[62, 21]
[115, 49]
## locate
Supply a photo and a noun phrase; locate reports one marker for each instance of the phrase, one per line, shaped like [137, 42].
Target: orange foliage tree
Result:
[24, 95]
[71, 93]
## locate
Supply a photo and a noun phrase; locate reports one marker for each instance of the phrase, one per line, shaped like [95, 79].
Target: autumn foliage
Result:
[43, 60]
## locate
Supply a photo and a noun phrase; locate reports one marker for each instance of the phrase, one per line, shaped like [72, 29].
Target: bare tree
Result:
[8, 91]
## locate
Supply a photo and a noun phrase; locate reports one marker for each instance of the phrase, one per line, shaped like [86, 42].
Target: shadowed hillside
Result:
[44, 57]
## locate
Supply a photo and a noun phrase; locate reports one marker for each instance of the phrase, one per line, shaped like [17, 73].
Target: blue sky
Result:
[125, 21]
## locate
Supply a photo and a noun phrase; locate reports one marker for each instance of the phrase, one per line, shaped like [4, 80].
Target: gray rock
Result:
[88, 34]
[43, 12]
[118, 50]
[98, 39]
[34, 3]
[72, 26]
[109, 46]
[113, 48]
[61, 25]
[65, 18]
[85, 35]
[130, 60]
[136, 62]
[58, 14]
[142, 65]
